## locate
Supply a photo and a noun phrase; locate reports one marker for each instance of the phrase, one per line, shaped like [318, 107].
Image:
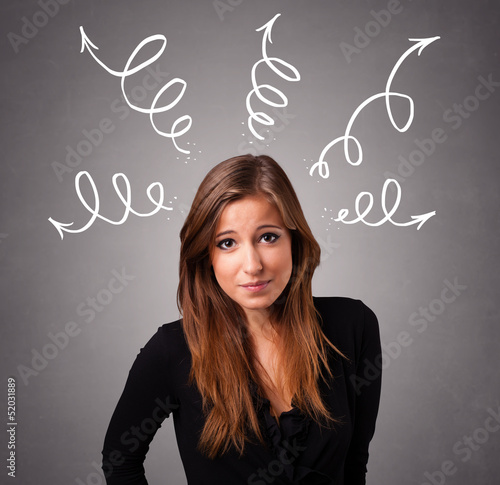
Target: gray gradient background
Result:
[435, 392]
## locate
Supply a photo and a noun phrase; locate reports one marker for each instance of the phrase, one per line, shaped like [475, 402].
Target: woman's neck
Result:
[259, 326]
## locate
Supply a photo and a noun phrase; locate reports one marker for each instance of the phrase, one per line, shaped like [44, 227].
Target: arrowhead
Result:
[86, 42]
[267, 27]
[423, 43]
[423, 218]
[60, 226]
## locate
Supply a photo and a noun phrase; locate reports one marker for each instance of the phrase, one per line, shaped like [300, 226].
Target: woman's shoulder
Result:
[167, 343]
[170, 332]
[346, 320]
[342, 307]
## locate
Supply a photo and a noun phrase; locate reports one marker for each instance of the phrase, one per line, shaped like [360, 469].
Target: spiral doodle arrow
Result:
[321, 164]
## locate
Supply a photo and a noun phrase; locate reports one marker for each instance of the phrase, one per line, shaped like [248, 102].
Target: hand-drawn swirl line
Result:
[86, 42]
[419, 220]
[125, 199]
[272, 63]
[322, 165]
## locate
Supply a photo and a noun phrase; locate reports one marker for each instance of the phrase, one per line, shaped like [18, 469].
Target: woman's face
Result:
[252, 254]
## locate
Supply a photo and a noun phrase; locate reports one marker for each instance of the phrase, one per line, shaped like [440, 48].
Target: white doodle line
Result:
[261, 117]
[420, 219]
[321, 164]
[87, 43]
[126, 200]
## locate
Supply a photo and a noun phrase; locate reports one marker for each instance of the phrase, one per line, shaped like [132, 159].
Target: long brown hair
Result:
[223, 364]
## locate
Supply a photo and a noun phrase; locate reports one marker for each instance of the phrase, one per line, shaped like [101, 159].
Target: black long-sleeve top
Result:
[298, 451]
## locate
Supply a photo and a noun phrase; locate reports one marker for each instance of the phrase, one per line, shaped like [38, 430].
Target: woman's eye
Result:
[226, 244]
[269, 238]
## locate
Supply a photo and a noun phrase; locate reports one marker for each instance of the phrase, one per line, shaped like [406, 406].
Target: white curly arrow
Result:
[126, 199]
[321, 164]
[272, 63]
[89, 45]
[420, 219]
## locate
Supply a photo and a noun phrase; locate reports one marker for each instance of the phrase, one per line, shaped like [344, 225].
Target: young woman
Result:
[266, 383]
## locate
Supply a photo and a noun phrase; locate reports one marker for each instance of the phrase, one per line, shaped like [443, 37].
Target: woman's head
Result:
[243, 178]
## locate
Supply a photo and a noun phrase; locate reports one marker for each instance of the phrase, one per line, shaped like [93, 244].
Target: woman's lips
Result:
[257, 286]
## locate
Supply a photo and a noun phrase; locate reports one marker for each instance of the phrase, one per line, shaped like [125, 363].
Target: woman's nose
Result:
[252, 263]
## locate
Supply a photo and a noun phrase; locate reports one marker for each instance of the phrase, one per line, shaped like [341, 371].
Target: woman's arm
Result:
[367, 381]
[143, 405]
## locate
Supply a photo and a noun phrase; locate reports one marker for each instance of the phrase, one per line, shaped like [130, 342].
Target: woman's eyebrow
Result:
[269, 225]
[231, 231]
[223, 233]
